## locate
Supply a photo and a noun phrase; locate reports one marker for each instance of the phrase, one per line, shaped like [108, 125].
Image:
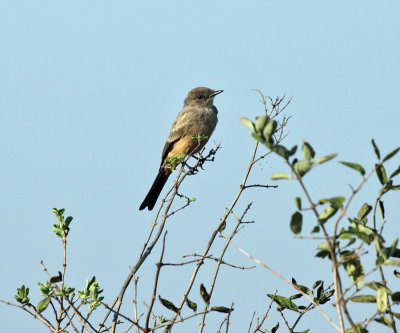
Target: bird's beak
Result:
[216, 92]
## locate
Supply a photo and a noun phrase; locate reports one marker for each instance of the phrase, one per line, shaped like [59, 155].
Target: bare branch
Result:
[153, 296]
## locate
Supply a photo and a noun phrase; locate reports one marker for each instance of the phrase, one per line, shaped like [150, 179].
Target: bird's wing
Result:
[178, 130]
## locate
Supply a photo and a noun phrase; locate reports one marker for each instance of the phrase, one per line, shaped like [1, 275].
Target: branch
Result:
[212, 238]
[210, 291]
[286, 280]
[34, 314]
[153, 297]
[147, 248]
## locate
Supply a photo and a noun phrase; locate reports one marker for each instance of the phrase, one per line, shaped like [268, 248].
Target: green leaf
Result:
[191, 305]
[391, 154]
[326, 158]
[392, 249]
[296, 222]
[376, 149]
[320, 291]
[22, 295]
[381, 209]
[381, 173]
[315, 229]
[363, 228]
[336, 202]
[46, 289]
[221, 309]
[385, 321]
[281, 151]
[280, 175]
[62, 229]
[275, 328]
[322, 254]
[326, 297]
[304, 289]
[382, 299]
[169, 305]
[162, 319]
[366, 237]
[352, 265]
[260, 123]
[295, 296]
[58, 212]
[269, 130]
[324, 250]
[327, 213]
[248, 123]
[359, 328]
[364, 299]
[348, 235]
[317, 284]
[68, 220]
[354, 166]
[302, 167]
[189, 200]
[297, 201]
[396, 297]
[396, 274]
[396, 253]
[364, 211]
[42, 305]
[257, 137]
[395, 172]
[308, 151]
[377, 285]
[284, 302]
[65, 291]
[91, 293]
[293, 150]
[204, 294]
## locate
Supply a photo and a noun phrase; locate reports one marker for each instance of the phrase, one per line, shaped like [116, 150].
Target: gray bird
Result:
[197, 118]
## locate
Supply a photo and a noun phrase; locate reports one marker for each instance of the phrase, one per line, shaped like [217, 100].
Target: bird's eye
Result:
[199, 96]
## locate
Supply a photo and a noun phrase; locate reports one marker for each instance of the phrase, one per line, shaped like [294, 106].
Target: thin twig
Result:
[251, 321]
[206, 257]
[153, 296]
[211, 289]
[285, 321]
[228, 316]
[101, 325]
[34, 314]
[265, 315]
[135, 301]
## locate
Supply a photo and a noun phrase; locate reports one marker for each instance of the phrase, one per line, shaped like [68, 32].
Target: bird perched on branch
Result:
[189, 133]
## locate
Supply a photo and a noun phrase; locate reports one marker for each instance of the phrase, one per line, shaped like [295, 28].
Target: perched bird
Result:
[197, 118]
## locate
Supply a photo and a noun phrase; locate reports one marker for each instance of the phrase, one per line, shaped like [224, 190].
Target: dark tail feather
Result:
[155, 190]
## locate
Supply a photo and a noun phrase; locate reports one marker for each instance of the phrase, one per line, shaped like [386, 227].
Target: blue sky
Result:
[89, 90]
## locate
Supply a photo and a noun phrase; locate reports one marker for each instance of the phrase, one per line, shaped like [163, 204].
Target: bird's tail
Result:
[155, 190]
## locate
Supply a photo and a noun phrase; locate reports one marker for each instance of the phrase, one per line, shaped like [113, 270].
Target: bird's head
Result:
[201, 96]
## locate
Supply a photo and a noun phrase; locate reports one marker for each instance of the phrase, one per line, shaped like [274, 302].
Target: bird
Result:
[198, 118]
